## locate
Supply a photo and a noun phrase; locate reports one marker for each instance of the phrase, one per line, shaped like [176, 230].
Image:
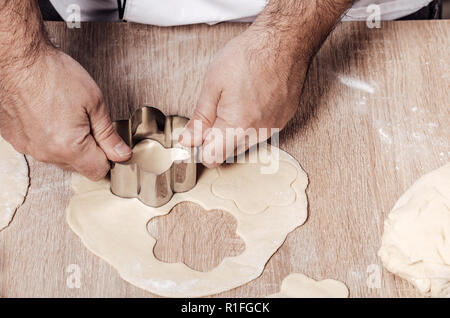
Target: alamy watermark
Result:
[374, 18]
[374, 277]
[74, 278]
[73, 16]
[230, 144]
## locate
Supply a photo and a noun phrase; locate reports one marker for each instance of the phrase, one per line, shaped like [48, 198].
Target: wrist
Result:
[23, 40]
[25, 74]
[300, 27]
[281, 54]
[288, 43]
[22, 59]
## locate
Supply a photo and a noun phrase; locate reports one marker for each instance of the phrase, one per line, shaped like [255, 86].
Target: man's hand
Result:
[50, 108]
[256, 80]
[56, 114]
[250, 84]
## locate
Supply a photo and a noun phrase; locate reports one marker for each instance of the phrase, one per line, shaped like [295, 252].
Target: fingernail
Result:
[122, 149]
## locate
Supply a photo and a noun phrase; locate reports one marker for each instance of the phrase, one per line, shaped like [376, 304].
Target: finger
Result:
[217, 145]
[204, 116]
[225, 141]
[89, 160]
[106, 136]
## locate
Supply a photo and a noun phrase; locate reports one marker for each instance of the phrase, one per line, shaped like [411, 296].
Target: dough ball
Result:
[416, 239]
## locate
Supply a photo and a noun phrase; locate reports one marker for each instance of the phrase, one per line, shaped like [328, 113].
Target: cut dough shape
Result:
[115, 229]
[14, 182]
[416, 239]
[268, 189]
[300, 286]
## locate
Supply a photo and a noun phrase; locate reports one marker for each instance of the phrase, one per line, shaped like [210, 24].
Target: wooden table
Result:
[374, 117]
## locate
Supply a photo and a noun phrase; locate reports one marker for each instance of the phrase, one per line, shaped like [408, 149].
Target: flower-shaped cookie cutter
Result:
[130, 180]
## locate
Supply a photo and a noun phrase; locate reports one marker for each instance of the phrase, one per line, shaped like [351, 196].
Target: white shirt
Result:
[180, 12]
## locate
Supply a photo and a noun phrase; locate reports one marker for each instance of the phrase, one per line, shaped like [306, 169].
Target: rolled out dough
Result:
[268, 189]
[416, 239]
[14, 182]
[300, 286]
[115, 229]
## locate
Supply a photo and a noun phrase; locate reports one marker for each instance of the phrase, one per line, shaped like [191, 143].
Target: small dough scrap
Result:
[267, 189]
[14, 182]
[300, 286]
[115, 229]
[416, 239]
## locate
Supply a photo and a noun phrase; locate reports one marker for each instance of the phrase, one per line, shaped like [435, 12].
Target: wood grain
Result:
[198, 238]
[374, 117]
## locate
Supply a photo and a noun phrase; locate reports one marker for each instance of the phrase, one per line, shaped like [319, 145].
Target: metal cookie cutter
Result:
[129, 180]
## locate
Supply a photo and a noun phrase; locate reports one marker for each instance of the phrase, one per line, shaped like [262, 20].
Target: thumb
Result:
[204, 116]
[106, 136]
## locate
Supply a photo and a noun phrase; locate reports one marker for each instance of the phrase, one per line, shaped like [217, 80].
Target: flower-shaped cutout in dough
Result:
[188, 227]
[251, 190]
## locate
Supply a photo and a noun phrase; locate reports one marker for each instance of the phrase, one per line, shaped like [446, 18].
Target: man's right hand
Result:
[54, 111]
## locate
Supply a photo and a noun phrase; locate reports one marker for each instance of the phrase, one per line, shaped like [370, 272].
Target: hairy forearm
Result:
[300, 26]
[22, 35]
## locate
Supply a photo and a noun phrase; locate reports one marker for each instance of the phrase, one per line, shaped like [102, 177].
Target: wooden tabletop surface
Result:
[374, 117]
